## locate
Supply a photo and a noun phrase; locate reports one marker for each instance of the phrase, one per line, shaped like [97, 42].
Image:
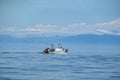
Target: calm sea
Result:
[72, 66]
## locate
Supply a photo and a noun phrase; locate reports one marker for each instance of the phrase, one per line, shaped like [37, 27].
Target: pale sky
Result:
[59, 17]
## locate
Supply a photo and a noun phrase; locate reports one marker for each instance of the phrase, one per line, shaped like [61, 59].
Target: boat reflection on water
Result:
[57, 50]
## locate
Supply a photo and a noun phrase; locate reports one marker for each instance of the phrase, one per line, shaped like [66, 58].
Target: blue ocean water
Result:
[73, 66]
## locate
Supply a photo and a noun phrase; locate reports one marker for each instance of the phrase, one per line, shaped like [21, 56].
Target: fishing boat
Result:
[58, 50]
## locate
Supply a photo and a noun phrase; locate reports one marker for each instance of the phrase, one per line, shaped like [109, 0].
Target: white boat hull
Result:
[58, 52]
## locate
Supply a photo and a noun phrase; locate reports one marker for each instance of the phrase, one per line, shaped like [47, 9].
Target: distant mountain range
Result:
[82, 39]
[93, 39]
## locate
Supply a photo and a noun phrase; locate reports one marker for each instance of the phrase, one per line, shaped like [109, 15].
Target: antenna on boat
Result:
[52, 46]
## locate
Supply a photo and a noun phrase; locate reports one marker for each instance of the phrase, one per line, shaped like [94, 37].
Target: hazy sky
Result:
[25, 15]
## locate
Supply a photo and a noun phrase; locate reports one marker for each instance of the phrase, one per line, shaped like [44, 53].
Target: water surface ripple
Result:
[74, 66]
